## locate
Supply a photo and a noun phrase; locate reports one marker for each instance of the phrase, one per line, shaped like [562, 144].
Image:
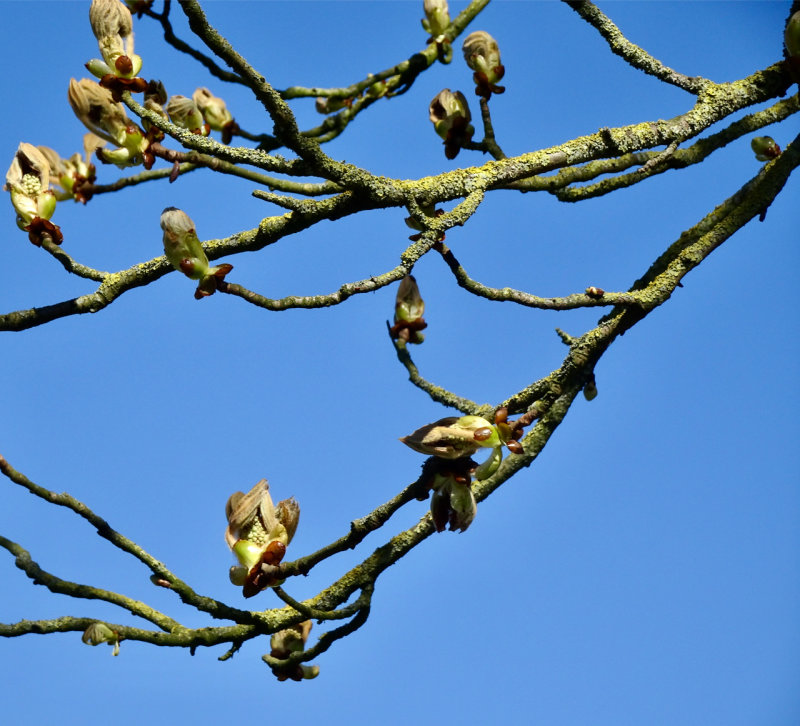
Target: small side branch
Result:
[438, 394]
[24, 561]
[183, 47]
[593, 297]
[633, 54]
[213, 607]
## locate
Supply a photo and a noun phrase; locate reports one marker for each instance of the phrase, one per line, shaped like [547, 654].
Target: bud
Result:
[376, 90]
[287, 642]
[483, 57]
[184, 113]
[765, 148]
[98, 112]
[258, 532]
[155, 96]
[590, 389]
[112, 25]
[186, 254]
[28, 182]
[491, 465]
[453, 504]
[326, 105]
[791, 36]
[437, 17]
[212, 108]
[408, 310]
[452, 437]
[71, 174]
[98, 633]
[451, 118]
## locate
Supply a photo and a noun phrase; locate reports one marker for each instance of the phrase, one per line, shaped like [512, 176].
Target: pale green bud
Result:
[184, 113]
[238, 574]
[112, 25]
[184, 251]
[98, 633]
[181, 245]
[409, 304]
[437, 17]
[491, 465]
[248, 553]
[212, 108]
[482, 55]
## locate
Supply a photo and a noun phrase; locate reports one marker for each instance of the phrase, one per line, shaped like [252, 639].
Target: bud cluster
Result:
[28, 182]
[258, 533]
[451, 442]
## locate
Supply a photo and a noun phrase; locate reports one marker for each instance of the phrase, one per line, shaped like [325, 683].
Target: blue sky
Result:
[646, 568]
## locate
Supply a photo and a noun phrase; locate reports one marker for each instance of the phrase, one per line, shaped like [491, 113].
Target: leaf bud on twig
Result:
[450, 115]
[98, 112]
[258, 533]
[98, 633]
[28, 182]
[184, 112]
[765, 148]
[482, 55]
[287, 642]
[184, 251]
[408, 310]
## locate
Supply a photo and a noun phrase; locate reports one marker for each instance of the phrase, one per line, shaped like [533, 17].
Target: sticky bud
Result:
[765, 148]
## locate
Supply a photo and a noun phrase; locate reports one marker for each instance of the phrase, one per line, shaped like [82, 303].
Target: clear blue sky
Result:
[645, 570]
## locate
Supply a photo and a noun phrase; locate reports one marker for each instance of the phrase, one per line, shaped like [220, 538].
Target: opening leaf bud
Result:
[212, 108]
[450, 115]
[482, 55]
[437, 17]
[112, 25]
[98, 633]
[184, 113]
[186, 254]
[98, 112]
[408, 310]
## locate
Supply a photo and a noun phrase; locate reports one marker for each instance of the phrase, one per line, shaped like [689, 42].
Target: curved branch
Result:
[212, 607]
[183, 47]
[633, 54]
[593, 297]
[24, 561]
